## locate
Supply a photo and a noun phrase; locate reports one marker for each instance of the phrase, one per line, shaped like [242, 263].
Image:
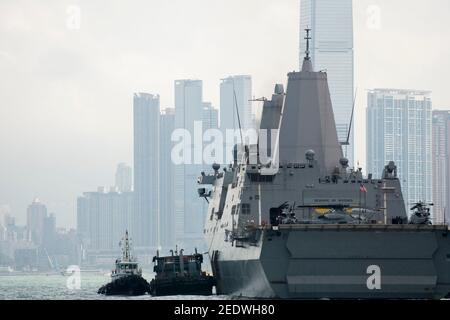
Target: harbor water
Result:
[60, 287]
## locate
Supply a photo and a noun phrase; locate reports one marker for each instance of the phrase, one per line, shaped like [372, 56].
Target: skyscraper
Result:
[49, 234]
[441, 165]
[235, 90]
[210, 116]
[103, 217]
[331, 47]
[166, 182]
[36, 215]
[189, 215]
[399, 129]
[146, 166]
[241, 86]
[123, 177]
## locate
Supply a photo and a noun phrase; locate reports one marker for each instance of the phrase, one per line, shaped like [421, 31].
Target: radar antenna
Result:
[307, 38]
[237, 112]
[347, 142]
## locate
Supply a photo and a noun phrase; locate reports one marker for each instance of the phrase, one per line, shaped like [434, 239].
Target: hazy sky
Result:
[66, 93]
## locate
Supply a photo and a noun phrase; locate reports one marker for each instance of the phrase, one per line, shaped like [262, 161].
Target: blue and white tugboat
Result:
[127, 276]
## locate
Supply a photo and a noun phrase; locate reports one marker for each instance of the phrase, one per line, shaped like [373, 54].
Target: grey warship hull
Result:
[332, 261]
[290, 219]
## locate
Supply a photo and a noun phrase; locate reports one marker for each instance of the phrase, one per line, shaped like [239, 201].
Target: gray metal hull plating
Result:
[333, 261]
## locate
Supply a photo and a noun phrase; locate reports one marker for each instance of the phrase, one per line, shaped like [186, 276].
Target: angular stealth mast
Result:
[307, 121]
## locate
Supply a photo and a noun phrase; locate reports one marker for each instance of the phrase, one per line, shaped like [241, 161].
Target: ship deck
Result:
[363, 227]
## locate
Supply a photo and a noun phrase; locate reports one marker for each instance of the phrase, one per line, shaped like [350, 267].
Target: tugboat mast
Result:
[126, 248]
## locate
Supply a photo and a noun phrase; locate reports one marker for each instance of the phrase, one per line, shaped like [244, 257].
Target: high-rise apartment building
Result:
[103, 217]
[441, 165]
[166, 181]
[189, 208]
[399, 129]
[36, 215]
[146, 165]
[124, 177]
[210, 116]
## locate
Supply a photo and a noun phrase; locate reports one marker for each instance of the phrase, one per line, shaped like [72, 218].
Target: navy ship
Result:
[301, 224]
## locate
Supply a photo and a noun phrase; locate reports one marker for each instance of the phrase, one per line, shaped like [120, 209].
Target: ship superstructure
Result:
[127, 265]
[302, 224]
[126, 278]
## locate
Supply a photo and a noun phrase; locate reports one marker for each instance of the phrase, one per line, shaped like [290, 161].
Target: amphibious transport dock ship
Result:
[305, 225]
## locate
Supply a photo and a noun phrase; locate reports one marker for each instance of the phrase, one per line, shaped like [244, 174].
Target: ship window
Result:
[233, 210]
[245, 208]
[257, 197]
[256, 177]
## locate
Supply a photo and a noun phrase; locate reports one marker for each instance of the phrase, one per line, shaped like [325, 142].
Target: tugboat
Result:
[127, 276]
[180, 274]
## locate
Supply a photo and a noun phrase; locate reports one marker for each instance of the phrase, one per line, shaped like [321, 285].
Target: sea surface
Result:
[60, 287]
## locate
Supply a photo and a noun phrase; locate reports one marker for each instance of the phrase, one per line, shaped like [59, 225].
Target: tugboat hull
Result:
[170, 287]
[126, 286]
[338, 262]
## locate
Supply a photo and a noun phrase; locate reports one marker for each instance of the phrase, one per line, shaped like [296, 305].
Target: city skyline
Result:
[94, 115]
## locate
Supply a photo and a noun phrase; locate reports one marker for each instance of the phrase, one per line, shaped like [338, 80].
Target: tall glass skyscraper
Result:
[146, 168]
[235, 90]
[166, 183]
[399, 129]
[189, 208]
[242, 87]
[331, 46]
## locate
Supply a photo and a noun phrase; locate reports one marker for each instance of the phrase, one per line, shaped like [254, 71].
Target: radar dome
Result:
[310, 154]
[344, 162]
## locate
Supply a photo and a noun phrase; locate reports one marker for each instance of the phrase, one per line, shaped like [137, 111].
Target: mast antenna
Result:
[347, 142]
[237, 112]
[308, 37]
